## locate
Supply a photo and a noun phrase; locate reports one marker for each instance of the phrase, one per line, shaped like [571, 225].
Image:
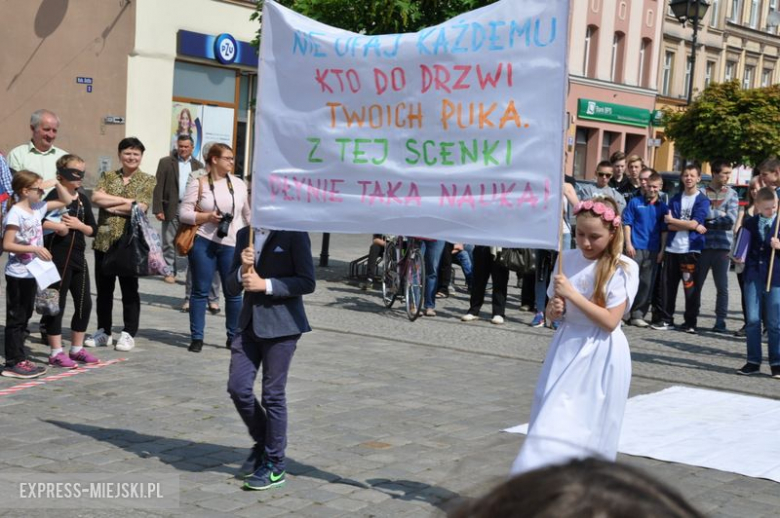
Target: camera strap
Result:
[230, 188]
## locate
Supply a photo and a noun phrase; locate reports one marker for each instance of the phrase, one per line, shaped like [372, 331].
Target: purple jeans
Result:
[266, 419]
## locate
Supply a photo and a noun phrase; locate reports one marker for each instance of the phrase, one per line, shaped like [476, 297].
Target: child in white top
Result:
[580, 398]
[23, 239]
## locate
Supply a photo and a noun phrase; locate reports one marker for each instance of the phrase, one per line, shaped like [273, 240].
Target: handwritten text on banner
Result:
[454, 132]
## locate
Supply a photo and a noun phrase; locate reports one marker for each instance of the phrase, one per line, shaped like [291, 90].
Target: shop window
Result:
[201, 82]
[609, 141]
[580, 152]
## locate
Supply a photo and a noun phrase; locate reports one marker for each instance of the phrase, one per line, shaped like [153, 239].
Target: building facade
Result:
[738, 39]
[613, 52]
[146, 68]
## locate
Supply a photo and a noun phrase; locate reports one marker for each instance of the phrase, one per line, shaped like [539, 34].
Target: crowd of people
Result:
[673, 240]
[47, 217]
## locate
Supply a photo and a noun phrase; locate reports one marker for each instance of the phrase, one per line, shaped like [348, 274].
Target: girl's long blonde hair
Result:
[610, 259]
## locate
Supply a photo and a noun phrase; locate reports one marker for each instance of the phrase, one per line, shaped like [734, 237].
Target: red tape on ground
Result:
[65, 374]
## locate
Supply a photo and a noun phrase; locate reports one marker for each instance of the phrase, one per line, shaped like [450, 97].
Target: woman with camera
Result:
[218, 202]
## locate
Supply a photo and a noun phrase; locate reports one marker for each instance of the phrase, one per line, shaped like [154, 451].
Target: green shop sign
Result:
[614, 113]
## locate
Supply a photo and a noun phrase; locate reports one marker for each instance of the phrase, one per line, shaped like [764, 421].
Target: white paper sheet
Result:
[45, 272]
[706, 428]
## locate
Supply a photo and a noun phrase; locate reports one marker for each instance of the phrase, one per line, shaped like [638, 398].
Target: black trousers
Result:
[445, 268]
[19, 305]
[75, 281]
[676, 268]
[485, 267]
[131, 300]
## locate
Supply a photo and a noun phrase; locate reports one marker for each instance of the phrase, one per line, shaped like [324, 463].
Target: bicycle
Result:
[403, 270]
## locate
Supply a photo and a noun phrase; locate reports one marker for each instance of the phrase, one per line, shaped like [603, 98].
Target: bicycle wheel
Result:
[389, 274]
[415, 284]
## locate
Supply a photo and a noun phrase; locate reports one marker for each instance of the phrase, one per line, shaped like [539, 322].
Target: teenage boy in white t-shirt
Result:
[685, 240]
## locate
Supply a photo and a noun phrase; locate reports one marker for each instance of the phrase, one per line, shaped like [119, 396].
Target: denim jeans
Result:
[718, 261]
[758, 302]
[206, 257]
[646, 260]
[432, 251]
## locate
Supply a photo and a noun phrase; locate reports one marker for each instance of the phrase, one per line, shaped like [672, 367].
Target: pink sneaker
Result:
[83, 356]
[62, 361]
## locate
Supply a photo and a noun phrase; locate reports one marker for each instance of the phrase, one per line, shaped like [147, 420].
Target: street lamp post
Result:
[694, 11]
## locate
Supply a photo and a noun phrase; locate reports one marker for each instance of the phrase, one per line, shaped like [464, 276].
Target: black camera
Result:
[224, 225]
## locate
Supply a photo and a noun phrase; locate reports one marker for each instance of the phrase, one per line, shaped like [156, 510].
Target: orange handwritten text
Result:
[477, 114]
[401, 115]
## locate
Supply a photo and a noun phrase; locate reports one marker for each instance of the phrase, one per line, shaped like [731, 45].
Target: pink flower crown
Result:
[600, 209]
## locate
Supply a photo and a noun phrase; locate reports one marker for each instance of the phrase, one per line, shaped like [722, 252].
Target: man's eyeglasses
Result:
[228, 158]
[604, 175]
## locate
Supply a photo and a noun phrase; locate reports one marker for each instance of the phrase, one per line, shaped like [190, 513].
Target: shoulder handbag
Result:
[185, 235]
[520, 260]
[129, 255]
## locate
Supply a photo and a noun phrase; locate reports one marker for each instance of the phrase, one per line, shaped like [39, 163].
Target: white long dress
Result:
[581, 395]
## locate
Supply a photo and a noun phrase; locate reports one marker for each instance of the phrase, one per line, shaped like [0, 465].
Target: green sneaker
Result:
[265, 478]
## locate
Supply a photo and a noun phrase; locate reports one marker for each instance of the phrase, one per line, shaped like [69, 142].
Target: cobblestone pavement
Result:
[387, 417]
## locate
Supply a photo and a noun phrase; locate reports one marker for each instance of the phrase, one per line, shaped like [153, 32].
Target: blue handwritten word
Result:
[462, 37]
[305, 43]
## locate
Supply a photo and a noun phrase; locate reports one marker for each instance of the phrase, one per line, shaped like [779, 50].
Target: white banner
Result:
[455, 132]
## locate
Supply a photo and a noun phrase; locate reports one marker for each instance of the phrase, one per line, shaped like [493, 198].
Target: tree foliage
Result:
[378, 16]
[727, 122]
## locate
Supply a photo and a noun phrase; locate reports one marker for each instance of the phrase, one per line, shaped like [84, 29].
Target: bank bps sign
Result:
[614, 113]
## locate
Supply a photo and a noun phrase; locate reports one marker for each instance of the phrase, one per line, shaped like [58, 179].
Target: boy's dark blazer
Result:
[285, 259]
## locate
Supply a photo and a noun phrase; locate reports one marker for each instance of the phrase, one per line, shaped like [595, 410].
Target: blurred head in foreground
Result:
[581, 489]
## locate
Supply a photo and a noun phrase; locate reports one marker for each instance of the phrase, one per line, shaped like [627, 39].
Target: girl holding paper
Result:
[23, 240]
[67, 245]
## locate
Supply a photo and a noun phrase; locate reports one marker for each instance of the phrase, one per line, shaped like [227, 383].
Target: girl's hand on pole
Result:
[557, 308]
[562, 286]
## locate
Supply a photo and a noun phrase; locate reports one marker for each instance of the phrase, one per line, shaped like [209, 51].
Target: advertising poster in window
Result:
[217, 124]
[186, 119]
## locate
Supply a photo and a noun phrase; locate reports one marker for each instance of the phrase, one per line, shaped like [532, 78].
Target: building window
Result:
[616, 70]
[666, 80]
[688, 74]
[589, 58]
[714, 11]
[766, 78]
[736, 11]
[772, 20]
[606, 144]
[645, 60]
[709, 70]
[754, 11]
[580, 152]
[747, 79]
[731, 68]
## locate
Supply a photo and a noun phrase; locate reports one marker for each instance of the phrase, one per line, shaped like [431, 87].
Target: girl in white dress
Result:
[581, 395]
